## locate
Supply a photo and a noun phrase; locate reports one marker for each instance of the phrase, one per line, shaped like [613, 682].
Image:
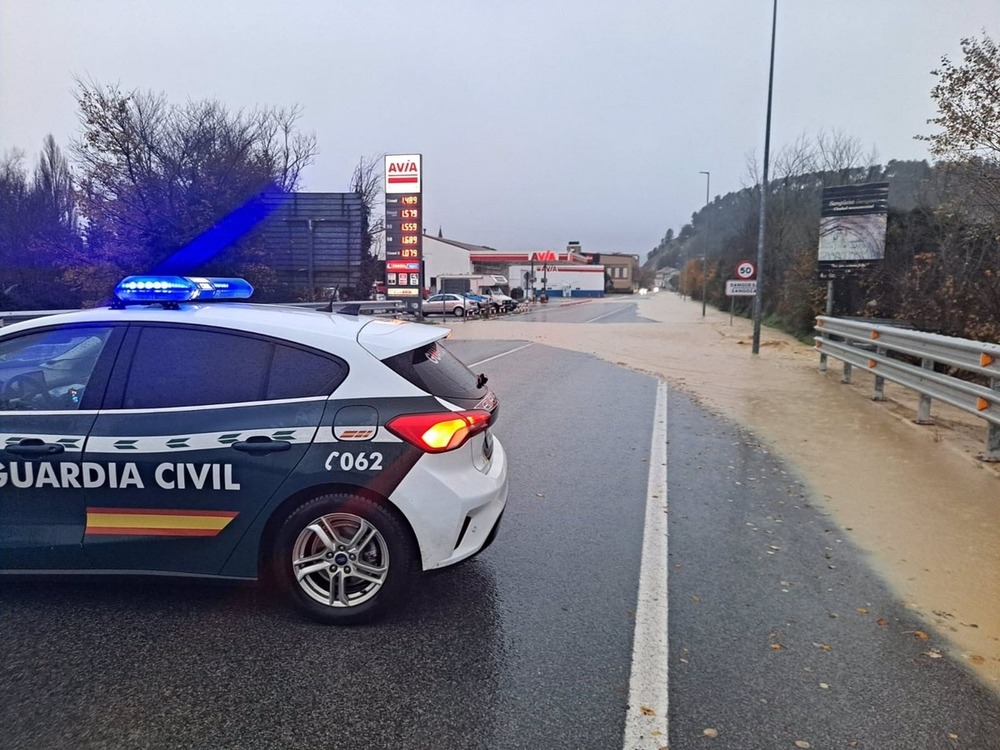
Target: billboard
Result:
[852, 228]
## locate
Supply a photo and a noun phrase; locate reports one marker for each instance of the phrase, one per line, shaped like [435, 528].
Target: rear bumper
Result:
[452, 507]
[493, 533]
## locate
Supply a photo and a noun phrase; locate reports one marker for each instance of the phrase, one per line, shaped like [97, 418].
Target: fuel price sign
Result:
[403, 228]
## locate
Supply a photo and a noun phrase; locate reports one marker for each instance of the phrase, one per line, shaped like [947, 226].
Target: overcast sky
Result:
[540, 121]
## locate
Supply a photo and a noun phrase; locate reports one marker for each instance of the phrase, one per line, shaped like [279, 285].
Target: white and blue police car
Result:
[180, 432]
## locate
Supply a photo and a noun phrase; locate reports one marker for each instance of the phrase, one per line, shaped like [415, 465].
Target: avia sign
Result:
[402, 173]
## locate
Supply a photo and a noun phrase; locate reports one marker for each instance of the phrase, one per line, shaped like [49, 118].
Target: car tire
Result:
[459, 312]
[343, 559]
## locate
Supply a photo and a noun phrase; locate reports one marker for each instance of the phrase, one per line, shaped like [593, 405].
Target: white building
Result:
[562, 273]
[445, 257]
[561, 280]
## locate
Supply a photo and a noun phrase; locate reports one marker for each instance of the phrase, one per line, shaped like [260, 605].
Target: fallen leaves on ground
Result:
[862, 610]
[823, 646]
[709, 732]
[881, 622]
[932, 654]
[802, 745]
[777, 647]
[647, 711]
[977, 660]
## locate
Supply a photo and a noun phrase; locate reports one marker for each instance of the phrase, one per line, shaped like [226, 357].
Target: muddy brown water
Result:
[916, 498]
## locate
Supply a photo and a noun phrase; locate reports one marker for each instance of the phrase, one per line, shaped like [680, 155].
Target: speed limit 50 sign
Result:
[745, 270]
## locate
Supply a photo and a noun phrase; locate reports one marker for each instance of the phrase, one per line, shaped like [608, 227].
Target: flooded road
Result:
[914, 498]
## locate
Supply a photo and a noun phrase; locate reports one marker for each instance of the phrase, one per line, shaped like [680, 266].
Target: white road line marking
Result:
[502, 354]
[606, 315]
[646, 719]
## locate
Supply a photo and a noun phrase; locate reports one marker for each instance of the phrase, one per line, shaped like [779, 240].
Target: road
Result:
[779, 630]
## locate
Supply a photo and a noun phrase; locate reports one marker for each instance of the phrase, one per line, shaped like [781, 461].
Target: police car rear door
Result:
[203, 425]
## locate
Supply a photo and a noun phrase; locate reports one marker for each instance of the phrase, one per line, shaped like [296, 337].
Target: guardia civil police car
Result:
[334, 455]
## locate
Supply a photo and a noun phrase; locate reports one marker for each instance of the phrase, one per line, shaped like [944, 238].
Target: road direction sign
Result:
[739, 288]
[746, 270]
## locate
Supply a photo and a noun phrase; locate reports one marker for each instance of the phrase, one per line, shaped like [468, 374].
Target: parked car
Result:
[482, 303]
[335, 456]
[449, 304]
[499, 300]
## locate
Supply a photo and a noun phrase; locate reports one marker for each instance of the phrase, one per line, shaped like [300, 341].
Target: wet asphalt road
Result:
[779, 630]
[529, 645]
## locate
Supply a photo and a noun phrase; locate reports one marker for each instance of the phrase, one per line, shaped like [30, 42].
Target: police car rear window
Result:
[296, 373]
[437, 371]
[184, 367]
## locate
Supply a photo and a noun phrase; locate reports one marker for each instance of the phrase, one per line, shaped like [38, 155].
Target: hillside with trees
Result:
[942, 256]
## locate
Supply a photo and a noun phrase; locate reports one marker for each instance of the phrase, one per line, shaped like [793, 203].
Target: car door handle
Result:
[33, 447]
[258, 445]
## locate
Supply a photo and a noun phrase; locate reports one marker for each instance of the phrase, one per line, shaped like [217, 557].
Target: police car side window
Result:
[296, 373]
[174, 366]
[49, 370]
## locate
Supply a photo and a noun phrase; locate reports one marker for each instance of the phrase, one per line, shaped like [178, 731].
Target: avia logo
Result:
[403, 172]
[400, 167]
[544, 255]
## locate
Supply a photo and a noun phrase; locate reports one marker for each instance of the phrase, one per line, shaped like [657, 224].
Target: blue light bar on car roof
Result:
[139, 289]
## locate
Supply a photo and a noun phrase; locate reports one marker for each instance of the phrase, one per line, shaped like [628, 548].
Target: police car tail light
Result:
[172, 289]
[440, 431]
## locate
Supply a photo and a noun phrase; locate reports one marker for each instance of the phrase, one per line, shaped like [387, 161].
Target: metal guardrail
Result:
[395, 308]
[914, 359]
[381, 307]
[9, 317]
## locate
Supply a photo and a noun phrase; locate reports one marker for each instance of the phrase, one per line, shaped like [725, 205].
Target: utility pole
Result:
[755, 349]
[704, 257]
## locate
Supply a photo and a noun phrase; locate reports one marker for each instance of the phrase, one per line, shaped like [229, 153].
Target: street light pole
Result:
[755, 349]
[704, 257]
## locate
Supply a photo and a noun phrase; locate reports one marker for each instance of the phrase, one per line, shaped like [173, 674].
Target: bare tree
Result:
[38, 229]
[367, 182]
[155, 175]
[843, 157]
[54, 185]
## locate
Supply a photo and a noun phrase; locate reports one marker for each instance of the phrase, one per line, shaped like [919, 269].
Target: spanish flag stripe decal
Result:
[145, 522]
[124, 531]
[150, 512]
